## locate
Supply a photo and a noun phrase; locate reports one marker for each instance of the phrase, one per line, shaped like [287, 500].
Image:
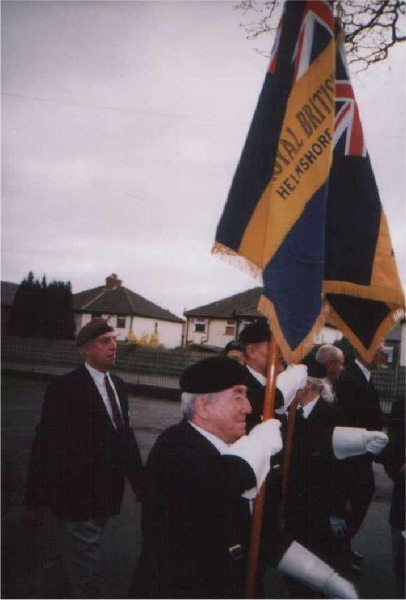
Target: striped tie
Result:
[117, 419]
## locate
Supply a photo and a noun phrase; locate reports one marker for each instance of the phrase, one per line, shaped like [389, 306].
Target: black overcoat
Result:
[315, 486]
[192, 514]
[359, 406]
[358, 400]
[78, 462]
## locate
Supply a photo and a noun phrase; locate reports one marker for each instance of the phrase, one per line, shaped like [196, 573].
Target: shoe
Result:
[356, 557]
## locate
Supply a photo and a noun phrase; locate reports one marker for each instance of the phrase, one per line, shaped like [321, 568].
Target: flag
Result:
[303, 209]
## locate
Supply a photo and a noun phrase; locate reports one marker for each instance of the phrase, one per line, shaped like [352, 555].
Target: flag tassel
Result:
[295, 355]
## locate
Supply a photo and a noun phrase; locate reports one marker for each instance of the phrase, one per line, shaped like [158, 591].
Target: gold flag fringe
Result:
[366, 353]
[294, 356]
[236, 260]
[390, 295]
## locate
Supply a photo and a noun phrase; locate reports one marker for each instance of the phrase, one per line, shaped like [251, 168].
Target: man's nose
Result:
[247, 408]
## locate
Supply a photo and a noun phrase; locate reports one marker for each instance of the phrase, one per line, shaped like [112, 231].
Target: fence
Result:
[140, 366]
[148, 367]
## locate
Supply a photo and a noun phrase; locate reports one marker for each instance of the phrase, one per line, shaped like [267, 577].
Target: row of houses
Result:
[210, 326]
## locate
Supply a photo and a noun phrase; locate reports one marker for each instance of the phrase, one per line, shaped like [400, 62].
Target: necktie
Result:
[300, 413]
[118, 421]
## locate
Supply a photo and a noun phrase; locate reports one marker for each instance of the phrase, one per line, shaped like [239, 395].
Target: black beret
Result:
[256, 332]
[211, 375]
[233, 345]
[314, 368]
[92, 330]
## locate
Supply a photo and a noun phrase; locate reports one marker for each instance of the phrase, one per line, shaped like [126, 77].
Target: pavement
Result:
[23, 549]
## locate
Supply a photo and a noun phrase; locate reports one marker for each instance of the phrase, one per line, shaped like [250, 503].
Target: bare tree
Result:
[371, 27]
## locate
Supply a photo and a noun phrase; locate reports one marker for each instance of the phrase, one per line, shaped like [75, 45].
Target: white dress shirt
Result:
[98, 378]
[213, 439]
[258, 376]
[363, 368]
[309, 407]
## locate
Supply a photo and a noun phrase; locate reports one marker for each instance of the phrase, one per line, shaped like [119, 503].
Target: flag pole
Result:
[268, 413]
[287, 455]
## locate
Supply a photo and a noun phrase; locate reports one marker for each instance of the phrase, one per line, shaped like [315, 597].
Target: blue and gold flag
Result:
[303, 209]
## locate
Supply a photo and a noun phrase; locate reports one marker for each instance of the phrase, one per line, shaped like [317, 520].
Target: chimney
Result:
[113, 282]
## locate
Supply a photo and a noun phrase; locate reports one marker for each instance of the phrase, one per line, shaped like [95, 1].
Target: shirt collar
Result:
[258, 376]
[363, 368]
[97, 375]
[213, 439]
[309, 407]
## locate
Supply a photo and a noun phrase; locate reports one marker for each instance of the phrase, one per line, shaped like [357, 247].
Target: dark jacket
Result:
[395, 462]
[78, 462]
[256, 396]
[315, 485]
[358, 400]
[359, 406]
[192, 513]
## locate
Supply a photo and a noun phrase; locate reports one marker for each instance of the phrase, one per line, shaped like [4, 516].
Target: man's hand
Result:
[374, 441]
[338, 526]
[33, 517]
[269, 435]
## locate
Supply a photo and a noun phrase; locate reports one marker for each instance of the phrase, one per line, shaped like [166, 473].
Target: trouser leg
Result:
[81, 541]
[51, 581]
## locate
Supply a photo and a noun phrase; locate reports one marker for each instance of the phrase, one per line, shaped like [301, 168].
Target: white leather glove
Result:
[289, 381]
[354, 441]
[256, 449]
[375, 441]
[338, 526]
[299, 563]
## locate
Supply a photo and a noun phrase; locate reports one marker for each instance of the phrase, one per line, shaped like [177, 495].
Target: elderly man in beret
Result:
[201, 477]
[315, 482]
[83, 449]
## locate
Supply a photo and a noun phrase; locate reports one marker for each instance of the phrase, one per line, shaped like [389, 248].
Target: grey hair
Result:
[323, 387]
[327, 352]
[188, 403]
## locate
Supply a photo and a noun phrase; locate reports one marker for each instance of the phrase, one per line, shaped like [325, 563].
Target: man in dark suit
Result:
[313, 482]
[201, 476]
[82, 451]
[255, 339]
[358, 402]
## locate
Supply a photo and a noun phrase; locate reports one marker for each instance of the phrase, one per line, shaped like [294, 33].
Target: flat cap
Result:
[314, 368]
[233, 345]
[92, 330]
[256, 332]
[211, 375]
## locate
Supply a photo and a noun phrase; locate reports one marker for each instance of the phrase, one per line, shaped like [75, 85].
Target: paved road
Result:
[23, 549]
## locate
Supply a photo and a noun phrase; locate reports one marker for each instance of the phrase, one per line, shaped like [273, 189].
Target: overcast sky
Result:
[123, 123]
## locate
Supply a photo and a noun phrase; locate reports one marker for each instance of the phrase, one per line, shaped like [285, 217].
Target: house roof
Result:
[8, 291]
[120, 300]
[240, 305]
[243, 304]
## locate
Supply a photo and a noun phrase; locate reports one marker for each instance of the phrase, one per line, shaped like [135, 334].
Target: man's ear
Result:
[250, 350]
[201, 406]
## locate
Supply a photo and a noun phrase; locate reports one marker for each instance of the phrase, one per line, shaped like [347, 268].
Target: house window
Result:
[120, 323]
[230, 328]
[200, 325]
[389, 351]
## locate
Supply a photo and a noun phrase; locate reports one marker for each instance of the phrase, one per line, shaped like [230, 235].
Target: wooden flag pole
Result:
[268, 413]
[287, 455]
